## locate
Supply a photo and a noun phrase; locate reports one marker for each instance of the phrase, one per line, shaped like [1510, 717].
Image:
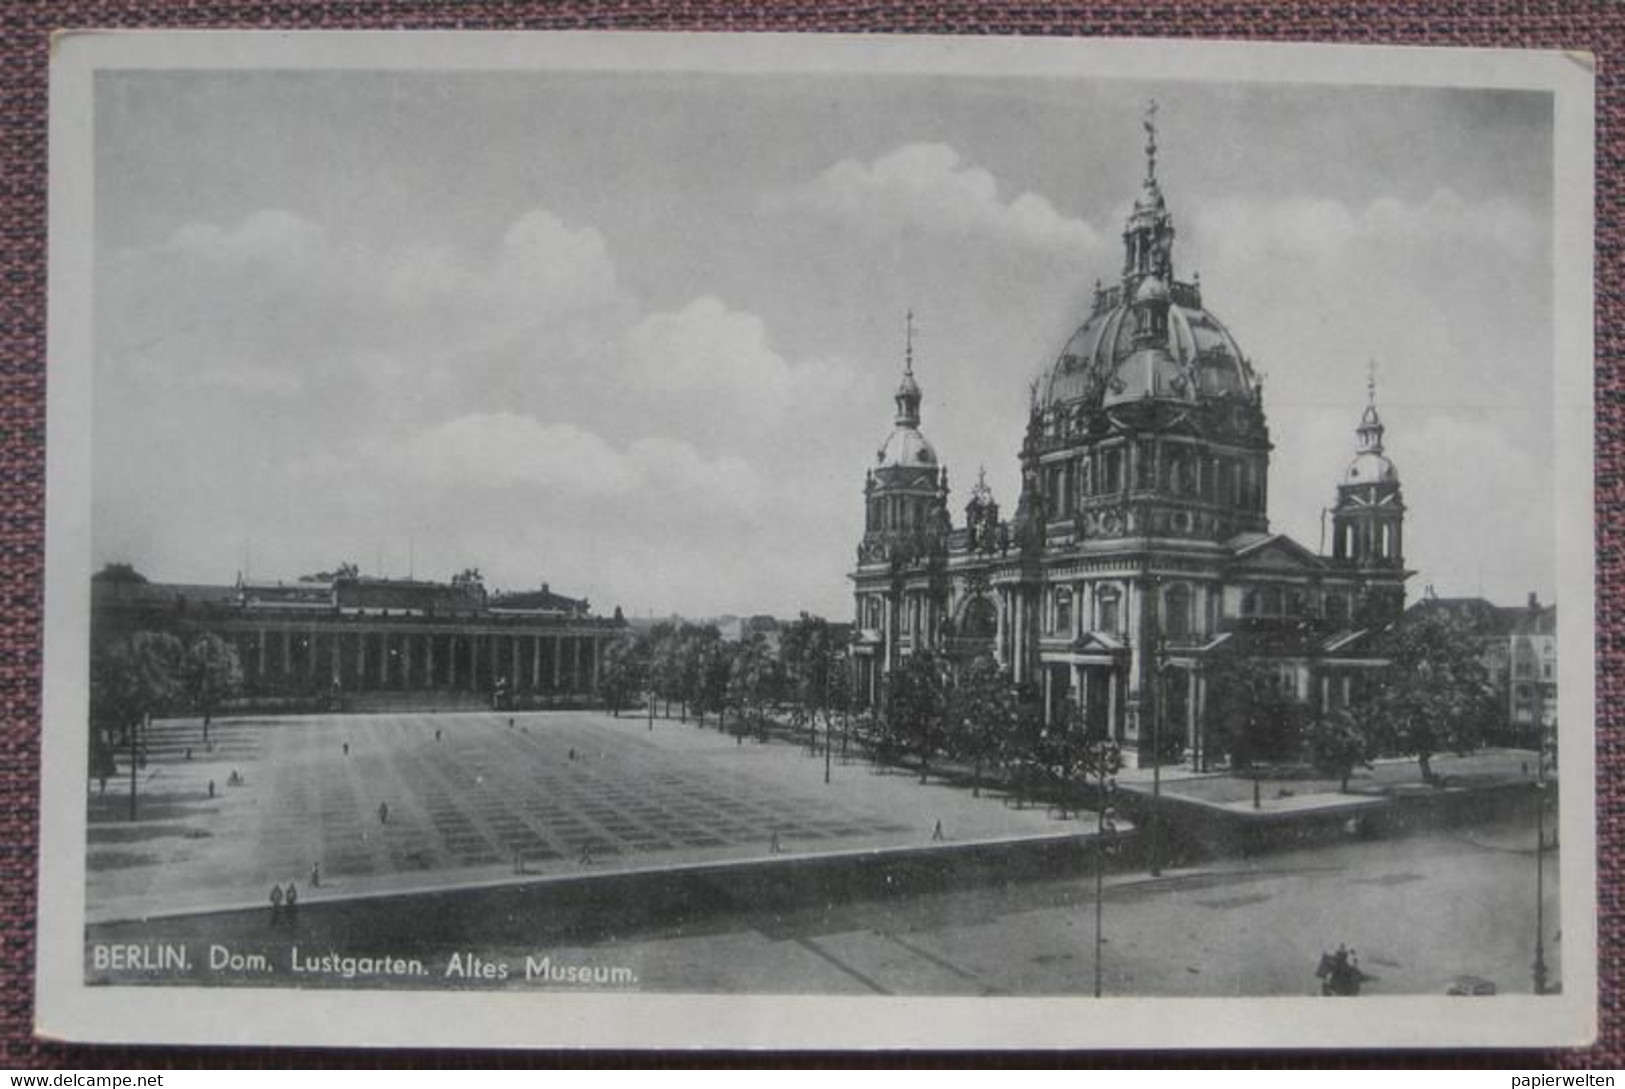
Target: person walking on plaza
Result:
[292, 900]
[276, 906]
[383, 812]
[315, 875]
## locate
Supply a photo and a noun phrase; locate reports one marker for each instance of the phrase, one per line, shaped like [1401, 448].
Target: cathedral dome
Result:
[1105, 362]
[906, 448]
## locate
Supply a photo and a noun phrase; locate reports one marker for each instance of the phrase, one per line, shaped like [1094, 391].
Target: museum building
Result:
[1139, 550]
[343, 633]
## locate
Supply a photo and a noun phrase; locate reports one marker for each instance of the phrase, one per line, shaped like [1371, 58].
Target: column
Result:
[1111, 703]
[451, 661]
[428, 661]
[535, 662]
[337, 641]
[473, 661]
[1049, 695]
[406, 660]
[558, 662]
[287, 654]
[595, 649]
[1000, 599]
[259, 637]
[1191, 717]
[361, 659]
[513, 657]
[1080, 693]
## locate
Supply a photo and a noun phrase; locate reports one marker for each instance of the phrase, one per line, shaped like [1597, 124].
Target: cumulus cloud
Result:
[505, 450]
[716, 364]
[930, 187]
[1243, 229]
[281, 295]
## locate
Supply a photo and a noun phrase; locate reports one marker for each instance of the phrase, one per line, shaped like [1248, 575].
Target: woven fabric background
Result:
[1597, 26]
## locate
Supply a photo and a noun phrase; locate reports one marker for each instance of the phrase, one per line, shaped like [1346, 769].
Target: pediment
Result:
[1277, 554]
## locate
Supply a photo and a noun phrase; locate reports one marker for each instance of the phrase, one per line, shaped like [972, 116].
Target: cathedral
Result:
[1139, 551]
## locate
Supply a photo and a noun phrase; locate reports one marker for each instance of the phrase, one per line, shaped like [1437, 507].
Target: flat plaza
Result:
[407, 802]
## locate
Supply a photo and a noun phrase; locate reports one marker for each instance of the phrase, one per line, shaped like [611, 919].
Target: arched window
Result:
[1176, 611]
[1063, 610]
[1249, 603]
[1106, 609]
[1337, 608]
[981, 619]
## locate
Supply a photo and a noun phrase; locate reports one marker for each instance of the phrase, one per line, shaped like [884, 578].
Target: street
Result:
[1418, 912]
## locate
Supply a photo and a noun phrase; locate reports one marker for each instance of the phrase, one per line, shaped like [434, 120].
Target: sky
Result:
[636, 335]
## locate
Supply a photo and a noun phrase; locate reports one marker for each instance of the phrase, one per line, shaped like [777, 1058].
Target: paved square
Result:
[412, 801]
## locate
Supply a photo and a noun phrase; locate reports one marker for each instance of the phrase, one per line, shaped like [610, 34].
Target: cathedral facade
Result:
[1139, 550]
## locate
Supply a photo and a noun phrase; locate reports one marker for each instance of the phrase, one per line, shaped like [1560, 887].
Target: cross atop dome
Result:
[1151, 142]
[908, 342]
[908, 390]
[1370, 430]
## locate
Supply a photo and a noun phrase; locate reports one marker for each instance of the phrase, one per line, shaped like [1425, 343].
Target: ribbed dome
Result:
[906, 448]
[1101, 363]
[1370, 467]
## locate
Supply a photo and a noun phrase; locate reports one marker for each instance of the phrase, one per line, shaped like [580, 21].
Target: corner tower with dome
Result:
[1139, 552]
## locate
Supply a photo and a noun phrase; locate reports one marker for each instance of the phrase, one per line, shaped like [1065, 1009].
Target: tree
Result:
[753, 681]
[918, 702]
[981, 714]
[1434, 695]
[625, 671]
[695, 645]
[133, 678]
[213, 674]
[1249, 716]
[713, 664]
[1342, 740]
[812, 662]
[665, 663]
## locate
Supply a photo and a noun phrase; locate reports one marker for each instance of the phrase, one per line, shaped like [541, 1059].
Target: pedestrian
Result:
[346, 748]
[586, 854]
[518, 861]
[276, 905]
[936, 833]
[510, 722]
[773, 847]
[315, 875]
[188, 752]
[292, 900]
[437, 735]
[211, 786]
[383, 812]
[572, 752]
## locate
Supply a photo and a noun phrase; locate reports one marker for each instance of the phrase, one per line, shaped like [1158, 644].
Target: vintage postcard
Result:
[634, 540]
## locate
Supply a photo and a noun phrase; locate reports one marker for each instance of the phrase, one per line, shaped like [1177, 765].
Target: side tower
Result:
[898, 584]
[1368, 522]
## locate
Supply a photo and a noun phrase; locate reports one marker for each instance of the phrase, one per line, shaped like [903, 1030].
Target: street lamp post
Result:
[1540, 880]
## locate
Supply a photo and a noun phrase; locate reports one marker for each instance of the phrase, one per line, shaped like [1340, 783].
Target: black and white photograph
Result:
[621, 540]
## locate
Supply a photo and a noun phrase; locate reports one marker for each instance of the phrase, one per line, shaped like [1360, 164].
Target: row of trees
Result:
[1426, 692]
[693, 667]
[145, 674]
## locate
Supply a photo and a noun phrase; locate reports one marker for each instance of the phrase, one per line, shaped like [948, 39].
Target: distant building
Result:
[1139, 550]
[742, 629]
[342, 632]
[1519, 648]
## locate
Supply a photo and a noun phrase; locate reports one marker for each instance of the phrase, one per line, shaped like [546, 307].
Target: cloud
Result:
[281, 295]
[929, 187]
[505, 450]
[716, 365]
[1243, 229]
